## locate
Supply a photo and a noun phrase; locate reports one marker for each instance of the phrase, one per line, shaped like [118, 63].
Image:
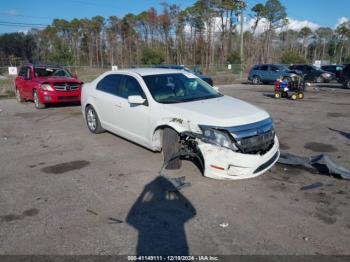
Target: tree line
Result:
[206, 33]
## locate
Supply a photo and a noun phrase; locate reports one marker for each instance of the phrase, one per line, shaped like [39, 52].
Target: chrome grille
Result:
[66, 86]
[254, 138]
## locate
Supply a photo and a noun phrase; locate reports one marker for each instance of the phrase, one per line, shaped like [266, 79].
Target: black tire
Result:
[19, 97]
[92, 121]
[171, 146]
[319, 79]
[37, 103]
[256, 80]
[347, 84]
[277, 95]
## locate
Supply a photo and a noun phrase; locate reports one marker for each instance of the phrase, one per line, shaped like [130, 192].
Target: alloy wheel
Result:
[91, 119]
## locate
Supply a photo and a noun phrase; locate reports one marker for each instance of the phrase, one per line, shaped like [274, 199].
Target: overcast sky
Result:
[312, 13]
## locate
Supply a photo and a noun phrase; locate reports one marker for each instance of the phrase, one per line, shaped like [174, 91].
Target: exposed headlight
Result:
[218, 137]
[46, 87]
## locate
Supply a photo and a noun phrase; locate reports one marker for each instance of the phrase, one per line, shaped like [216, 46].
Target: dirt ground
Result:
[64, 190]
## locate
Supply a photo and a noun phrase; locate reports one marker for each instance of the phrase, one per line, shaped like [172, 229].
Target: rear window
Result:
[347, 69]
[264, 68]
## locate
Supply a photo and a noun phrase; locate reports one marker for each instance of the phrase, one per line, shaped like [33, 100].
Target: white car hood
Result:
[223, 111]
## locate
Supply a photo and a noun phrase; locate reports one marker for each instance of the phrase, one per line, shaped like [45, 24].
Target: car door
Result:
[105, 100]
[263, 73]
[20, 82]
[133, 120]
[274, 73]
[29, 83]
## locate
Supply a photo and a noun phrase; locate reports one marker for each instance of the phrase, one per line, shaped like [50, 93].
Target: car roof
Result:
[149, 71]
[169, 66]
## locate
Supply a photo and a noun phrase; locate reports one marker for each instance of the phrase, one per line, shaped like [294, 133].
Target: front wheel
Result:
[37, 103]
[256, 80]
[319, 79]
[19, 97]
[92, 120]
[277, 95]
[347, 84]
[170, 147]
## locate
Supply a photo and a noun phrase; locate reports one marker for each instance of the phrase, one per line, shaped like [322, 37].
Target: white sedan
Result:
[168, 110]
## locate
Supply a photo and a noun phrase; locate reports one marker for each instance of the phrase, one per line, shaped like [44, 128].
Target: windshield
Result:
[177, 88]
[282, 67]
[50, 71]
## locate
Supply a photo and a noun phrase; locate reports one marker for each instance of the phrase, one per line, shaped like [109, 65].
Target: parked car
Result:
[46, 84]
[266, 73]
[335, 69]
[163, 108]
[314, 74]
[344, 77]
[196, 72]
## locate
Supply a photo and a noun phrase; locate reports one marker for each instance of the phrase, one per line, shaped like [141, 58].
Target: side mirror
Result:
[136, 100]
[216, 88]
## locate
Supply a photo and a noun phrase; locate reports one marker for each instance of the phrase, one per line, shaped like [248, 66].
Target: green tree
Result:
[275, 15]
[324, 35]
[343, 33]
[259, 12]
[152, 57]
[233, 58]
[292, 57]
[304, 34]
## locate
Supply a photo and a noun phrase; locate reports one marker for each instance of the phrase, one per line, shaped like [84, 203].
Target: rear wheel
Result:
[171, 146]
[294, 97]
[256, 80]
[19, 97]
[92, 120]
[319, 79]
[347, 84]
[37, 103]
[300, 95]
[277, 95]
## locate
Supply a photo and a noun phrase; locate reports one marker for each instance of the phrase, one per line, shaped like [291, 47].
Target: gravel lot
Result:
[64, 190]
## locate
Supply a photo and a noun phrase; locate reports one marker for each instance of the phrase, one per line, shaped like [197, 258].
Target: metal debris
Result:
[115, 220]
[91, 212]
[224, 225]
[320, 163]
[312, 186]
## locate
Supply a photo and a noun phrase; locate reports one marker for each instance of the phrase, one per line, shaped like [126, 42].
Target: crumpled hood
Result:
[57, 80]
[223, 111]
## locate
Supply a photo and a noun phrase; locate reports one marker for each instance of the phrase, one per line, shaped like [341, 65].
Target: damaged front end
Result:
[237, 152]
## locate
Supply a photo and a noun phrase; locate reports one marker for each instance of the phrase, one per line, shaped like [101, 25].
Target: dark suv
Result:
[313, 74]
[345, 76]
[335, 69]
[266, 73]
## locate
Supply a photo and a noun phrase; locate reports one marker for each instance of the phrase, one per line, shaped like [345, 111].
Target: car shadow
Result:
[65, 104]
[269, 95]
[159, 215]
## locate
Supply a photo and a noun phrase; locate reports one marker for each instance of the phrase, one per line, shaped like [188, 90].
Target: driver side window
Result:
[130, 87]
[28, 74]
